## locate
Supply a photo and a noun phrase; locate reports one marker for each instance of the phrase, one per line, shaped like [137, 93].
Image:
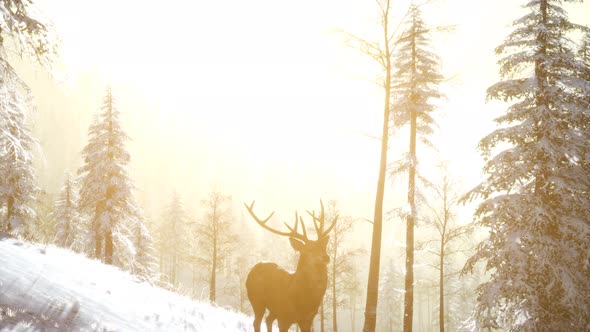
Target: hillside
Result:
[52, 289]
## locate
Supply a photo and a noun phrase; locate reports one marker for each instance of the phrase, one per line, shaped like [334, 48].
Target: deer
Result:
[291, 297]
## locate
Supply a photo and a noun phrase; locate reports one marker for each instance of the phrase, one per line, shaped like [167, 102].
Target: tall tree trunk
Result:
[212, 285]
[194, 279]
[409, 280]
[334, 299]
[241, 290]
[108, 247]
[441, 291]
[322, 327]
[108, 236]
[441, 275]
[68, 236]
[352, 314]
[162, 268]
[334, 306]
[9, 208]
[173, 268]
[541, 76]
[375, 260]
[98, 244]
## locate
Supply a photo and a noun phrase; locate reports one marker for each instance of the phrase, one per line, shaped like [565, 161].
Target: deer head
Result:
[291, 297]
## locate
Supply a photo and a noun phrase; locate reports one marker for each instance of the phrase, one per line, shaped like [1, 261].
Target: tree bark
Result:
[410, 220]
[212, 284]
[441, 291]
[194, 273]
[373, 282]
[374, 264]
[97, 244]
[352, 314]
[322, 327]
[9, 208]
[334, 300]
[174, 268]
[108, 247]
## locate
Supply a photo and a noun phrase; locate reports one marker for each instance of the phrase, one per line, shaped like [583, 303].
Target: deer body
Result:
[291, 298]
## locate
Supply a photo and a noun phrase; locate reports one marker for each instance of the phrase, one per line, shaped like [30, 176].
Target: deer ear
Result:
[296, 244]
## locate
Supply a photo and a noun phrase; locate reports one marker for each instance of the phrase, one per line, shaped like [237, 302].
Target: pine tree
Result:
[44, 224]
[417, 78]
[144, 262]
[536, 202]
[172, 239]
[17, 175]
[584, 51]
[106, 191]
[70, 232]
[391, 306]
[30, 35]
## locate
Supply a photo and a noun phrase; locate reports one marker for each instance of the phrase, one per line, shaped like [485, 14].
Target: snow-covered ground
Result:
[52, 289]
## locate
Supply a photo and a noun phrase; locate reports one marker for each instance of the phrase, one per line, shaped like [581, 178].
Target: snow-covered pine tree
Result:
[43, 223]
[391, 306]
[144, 263]
[70, 232]
[536, 203]
[416, 81]
[172, 241]
[17, 176]
[106, 191]
[584, 50]
[30, 34]
[585, 162]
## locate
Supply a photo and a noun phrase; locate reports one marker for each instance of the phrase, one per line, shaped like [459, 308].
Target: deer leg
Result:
[270, 318]
[258, 314]
[284, 326]
[305, 325]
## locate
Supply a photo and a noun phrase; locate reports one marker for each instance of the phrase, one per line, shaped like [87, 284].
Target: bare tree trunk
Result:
[161, 264]
[9, 208]
[108, 247]
[443, 241]
[334, 299]
[352, 314]
[194, 279]
[322, 317]
[97, 245]
[409, 280]
[373, 280]
[212, 285]
[241, 290]
[97, 234]
[173, 268]
[441, 293]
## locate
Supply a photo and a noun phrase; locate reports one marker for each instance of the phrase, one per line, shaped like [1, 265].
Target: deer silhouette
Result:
[291, 297]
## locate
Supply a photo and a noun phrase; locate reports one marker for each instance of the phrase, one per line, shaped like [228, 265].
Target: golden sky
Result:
[262, 98]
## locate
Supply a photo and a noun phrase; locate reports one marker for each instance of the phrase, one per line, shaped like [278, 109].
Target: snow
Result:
[45, 288]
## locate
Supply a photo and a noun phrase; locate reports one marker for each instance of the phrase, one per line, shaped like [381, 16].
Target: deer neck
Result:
[309, 287]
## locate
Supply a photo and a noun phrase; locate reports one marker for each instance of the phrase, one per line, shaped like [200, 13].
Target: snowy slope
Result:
[52, 289]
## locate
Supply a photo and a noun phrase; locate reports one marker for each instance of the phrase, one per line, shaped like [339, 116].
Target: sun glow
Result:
[265, 93]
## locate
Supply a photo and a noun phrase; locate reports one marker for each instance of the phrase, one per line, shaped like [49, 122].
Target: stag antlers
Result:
[318, 223]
